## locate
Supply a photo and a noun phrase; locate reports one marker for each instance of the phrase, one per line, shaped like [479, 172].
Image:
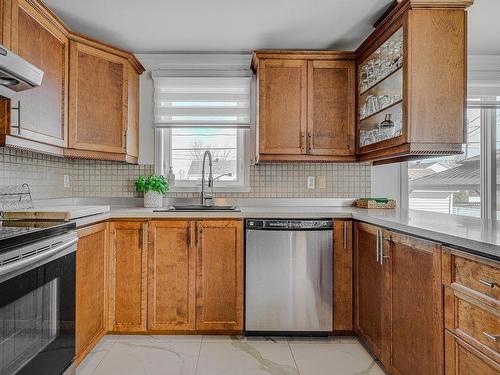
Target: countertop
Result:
[470, 234]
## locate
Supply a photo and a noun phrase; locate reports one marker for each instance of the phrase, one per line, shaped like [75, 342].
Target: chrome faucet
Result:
[203, 197]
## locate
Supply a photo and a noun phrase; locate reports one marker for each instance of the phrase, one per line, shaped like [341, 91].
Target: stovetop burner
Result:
[19, 232]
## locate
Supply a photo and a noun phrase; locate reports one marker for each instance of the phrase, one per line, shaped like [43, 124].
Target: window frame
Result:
[487, 164]
[163, 155]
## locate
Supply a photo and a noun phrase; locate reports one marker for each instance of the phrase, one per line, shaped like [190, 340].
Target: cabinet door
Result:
[415, 323]
[91, 287]
[128, 276]
[462, 359]
[282, 106]
[331, 108]
[98, 100]
[342, 276]
[369, 288]
[39, 114]
[171, 276]
[219, 295]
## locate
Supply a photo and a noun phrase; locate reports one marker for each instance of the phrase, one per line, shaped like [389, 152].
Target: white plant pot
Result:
[153, 199]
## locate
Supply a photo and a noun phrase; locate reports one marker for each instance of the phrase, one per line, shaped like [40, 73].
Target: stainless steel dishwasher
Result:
[288, 278]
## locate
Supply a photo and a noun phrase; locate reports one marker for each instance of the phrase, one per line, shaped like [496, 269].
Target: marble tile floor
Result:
[228, 355]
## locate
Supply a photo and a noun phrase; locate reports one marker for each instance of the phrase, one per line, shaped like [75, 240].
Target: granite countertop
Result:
[471, 234]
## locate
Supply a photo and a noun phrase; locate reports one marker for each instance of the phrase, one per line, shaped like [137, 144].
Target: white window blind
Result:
[202, 102]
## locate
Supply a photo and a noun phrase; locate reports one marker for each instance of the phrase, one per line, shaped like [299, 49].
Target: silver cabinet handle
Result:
[382, 256]
[378, 246]
[491, 337]
[345, 234]
[489, 284]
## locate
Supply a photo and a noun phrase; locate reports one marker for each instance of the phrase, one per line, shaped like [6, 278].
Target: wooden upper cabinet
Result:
[282, 106]
[171, 275]
[128, 276]
[103, 102]
[413, 68]
[415, 306]
[369, 285]
[331, 108]
[88, 103]
[37, 117]
[219, 295]
[98, 100]
[306, 105]
[91, 287]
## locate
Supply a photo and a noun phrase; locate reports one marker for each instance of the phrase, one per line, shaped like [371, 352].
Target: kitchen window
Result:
[463, 184]
[194, 114]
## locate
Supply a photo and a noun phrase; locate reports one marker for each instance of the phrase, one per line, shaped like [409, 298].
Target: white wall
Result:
[386, 181]
[146, 132]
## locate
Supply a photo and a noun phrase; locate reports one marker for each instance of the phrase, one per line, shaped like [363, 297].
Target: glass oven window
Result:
[37, 319]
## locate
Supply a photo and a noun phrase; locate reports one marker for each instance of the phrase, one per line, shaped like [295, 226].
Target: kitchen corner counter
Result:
[470, 234]
[473, 235]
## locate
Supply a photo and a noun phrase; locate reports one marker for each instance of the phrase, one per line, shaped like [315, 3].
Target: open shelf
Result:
[387, 76]
[372, 121]
[384, 109]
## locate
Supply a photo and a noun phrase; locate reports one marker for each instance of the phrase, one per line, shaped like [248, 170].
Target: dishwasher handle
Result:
[289, 224]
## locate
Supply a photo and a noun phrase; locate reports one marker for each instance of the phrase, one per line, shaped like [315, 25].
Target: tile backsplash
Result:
[43, 173]
[88, 178]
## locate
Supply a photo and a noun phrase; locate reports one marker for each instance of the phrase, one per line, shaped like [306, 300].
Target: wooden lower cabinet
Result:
[369, 284]
[128, 276]
[342, 276]
[463, 359]
[91, 287]
[219, 289]
[414, 321]
[171, 276]
[399, 298]
[176, 275]
[471, 312]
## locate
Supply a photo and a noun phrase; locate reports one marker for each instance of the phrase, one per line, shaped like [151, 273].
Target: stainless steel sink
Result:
[198, 207]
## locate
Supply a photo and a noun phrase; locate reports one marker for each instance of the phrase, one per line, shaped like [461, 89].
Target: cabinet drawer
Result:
[462, 359]
[476, 322]
[477, 274]
[473, 321]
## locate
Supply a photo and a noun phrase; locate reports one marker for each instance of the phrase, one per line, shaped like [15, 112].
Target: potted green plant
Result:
[153, 188]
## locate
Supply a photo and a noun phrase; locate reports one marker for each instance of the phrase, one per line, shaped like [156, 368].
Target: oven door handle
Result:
[4, 270]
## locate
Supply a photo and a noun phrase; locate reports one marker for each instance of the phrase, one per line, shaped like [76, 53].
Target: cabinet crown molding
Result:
[440, 3]
[300, 55]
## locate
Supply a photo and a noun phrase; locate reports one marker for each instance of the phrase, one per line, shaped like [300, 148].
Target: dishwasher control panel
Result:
[289, 224]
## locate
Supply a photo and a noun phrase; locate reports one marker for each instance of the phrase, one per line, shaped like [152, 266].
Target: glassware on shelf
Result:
[387, 123]
[387, 129]
[374, 104]
[385, 60]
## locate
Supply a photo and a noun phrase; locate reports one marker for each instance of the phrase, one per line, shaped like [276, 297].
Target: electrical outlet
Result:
[321, 182]
[66, 180]
[311, 182]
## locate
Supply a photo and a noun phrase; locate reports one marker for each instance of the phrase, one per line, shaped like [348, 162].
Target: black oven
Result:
[37, 307]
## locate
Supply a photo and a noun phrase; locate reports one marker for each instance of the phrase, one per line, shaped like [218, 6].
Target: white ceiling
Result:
[243, 25]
